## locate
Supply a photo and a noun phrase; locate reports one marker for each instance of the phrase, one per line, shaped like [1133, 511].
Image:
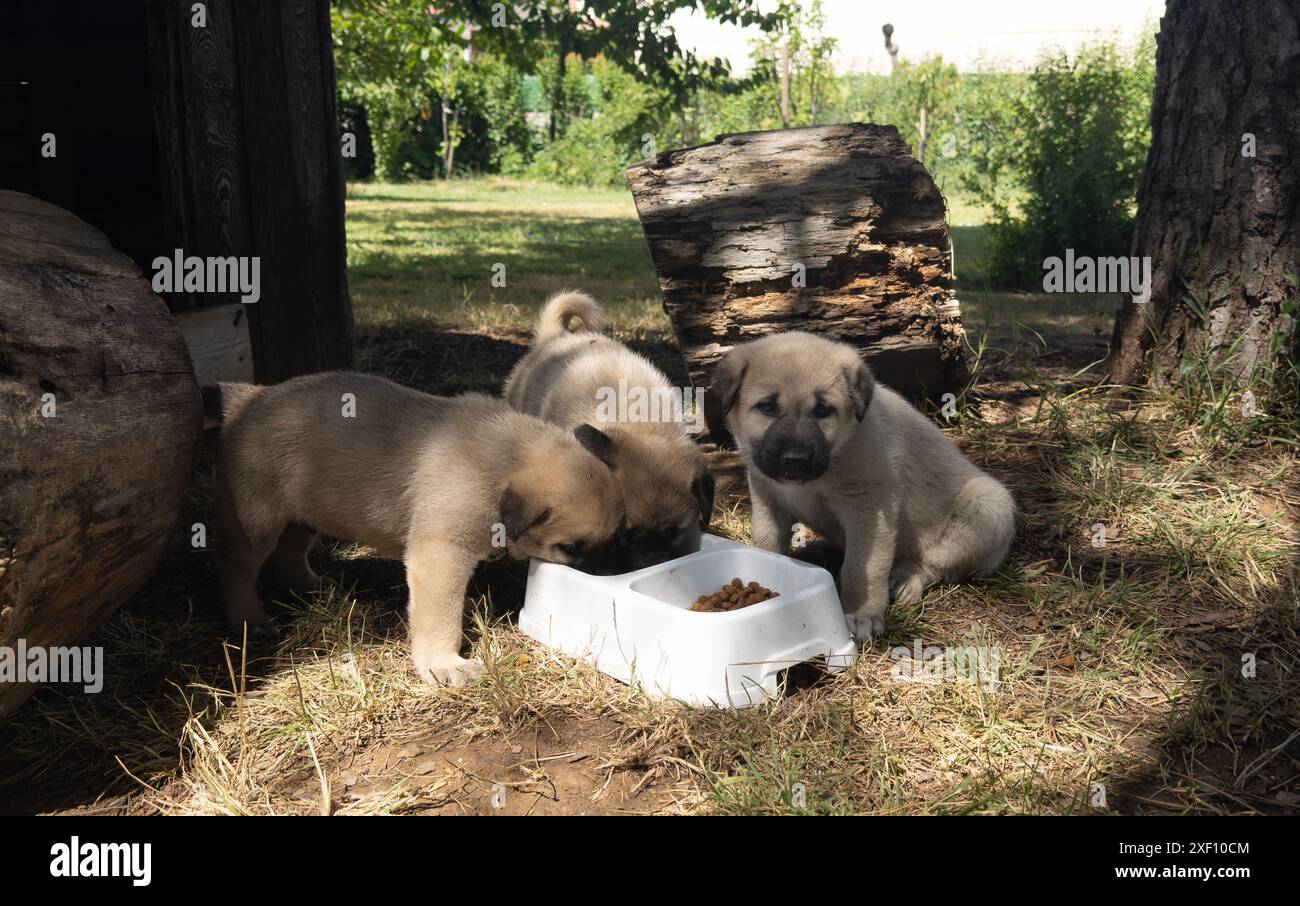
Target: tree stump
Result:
[834, 230]
[99, 425]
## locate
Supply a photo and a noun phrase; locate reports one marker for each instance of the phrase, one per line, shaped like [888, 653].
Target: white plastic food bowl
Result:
[638, 629]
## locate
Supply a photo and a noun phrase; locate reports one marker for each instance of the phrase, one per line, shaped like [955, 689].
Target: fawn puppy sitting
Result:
[828, 448]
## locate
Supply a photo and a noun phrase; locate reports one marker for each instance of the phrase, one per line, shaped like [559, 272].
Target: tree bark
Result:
[785, 84]
[1221, 228]
[730, 225]
[90, 489]
[252, 166]
[557, 94]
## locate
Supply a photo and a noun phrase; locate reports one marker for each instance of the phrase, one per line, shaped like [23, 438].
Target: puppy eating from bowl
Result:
[439, 483]
[567, 378]
[828, 448]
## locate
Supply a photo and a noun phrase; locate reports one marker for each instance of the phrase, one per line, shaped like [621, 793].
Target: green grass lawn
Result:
[426, 252]
[431, 251]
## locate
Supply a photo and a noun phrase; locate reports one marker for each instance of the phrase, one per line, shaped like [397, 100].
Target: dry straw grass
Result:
[1121, 665]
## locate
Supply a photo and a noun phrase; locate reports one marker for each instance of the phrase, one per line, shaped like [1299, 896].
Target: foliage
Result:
[401, 61]
[492, 133]
[930, 85]
[799, 40]
[387, 55]
[613, 128]
[574, 95]
[1072, 145]
[637, 36]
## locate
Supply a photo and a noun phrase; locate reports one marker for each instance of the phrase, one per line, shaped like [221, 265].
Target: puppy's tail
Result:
[989, 514]
[224, 401]
[571, 303]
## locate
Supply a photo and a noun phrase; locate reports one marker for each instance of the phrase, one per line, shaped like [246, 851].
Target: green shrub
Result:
[609, 112]
[1072, 154]
[492, 126]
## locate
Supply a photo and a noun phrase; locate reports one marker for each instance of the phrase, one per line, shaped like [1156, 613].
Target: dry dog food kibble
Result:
[733, 596]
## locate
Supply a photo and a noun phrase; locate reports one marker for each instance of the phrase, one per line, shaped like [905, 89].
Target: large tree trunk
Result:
[252, 166]
[99, 426]
[729, 224]
[1220, 227]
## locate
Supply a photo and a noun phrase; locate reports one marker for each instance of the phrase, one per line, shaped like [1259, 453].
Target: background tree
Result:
[794, 59]
[1219, 204]
[1059, 158]
[634, 35]
[924, 93]
[389, 54]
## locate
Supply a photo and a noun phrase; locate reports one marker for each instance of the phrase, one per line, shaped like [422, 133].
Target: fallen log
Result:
[835, 230]
[99, 426]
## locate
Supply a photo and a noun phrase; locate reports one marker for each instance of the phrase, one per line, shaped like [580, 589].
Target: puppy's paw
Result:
[866, 625]
[449, 671]
[906, 587]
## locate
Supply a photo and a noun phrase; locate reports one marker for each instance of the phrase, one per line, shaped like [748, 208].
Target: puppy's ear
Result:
[702, 490]
[728, 378]
[861, 388]
[517, 515]
[596, 442]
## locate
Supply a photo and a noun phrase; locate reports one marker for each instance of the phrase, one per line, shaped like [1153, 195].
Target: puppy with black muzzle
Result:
[568, 378]
[829, 448]
[438, 483]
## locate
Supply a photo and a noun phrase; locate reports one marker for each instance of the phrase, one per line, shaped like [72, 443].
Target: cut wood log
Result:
[99, 426]
[835, 230]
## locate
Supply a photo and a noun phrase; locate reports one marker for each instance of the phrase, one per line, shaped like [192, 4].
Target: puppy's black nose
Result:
[796, 460]
[800, 464]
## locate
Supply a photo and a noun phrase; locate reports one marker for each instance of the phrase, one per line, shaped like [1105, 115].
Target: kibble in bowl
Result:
[733, 596]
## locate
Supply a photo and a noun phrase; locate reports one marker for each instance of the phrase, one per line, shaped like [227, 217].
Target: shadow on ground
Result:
[1229, 744]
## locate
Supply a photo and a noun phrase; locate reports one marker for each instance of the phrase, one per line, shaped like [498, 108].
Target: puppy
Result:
[568, 379]
[830, 449]
[435, 482]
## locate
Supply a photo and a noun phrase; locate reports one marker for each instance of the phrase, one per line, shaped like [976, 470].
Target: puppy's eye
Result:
[574, 550]
[767, 407]
[821, 410]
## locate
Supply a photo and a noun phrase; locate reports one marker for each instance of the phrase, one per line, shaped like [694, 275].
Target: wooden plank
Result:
[203, 147]
[250, 151]
[217, 338]
[304, 323]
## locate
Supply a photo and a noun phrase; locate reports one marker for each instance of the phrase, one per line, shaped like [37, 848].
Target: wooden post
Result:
[250, 153]
[836, 230]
